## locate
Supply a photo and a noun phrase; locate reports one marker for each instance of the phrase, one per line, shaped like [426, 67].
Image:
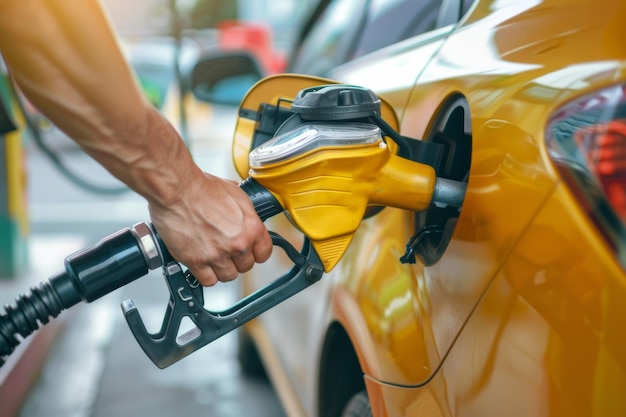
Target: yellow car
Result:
[516, 302]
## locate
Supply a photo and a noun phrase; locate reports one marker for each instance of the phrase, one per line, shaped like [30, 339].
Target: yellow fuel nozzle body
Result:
[327, 190]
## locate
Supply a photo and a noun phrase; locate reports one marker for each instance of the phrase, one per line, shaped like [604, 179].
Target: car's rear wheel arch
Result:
[340, 373]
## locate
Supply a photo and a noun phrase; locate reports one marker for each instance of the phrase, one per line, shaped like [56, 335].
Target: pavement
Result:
[86, 362]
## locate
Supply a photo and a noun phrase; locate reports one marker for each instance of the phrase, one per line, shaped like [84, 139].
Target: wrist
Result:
[167, 167]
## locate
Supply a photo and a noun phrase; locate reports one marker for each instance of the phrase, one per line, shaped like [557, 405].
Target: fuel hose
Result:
[89, 274]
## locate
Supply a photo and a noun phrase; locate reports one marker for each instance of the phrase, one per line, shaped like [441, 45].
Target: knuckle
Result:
[239, 246]
[246, 264]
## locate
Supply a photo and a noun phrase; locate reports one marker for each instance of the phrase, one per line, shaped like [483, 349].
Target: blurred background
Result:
[55, 200]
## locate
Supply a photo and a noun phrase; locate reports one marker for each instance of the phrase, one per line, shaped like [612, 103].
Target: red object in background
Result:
[253, 37]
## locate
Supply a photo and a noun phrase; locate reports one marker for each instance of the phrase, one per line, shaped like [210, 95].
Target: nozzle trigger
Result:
[167, 346]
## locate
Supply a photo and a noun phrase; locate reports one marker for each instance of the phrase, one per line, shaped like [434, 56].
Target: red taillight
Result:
[587, 142]
[604, 146]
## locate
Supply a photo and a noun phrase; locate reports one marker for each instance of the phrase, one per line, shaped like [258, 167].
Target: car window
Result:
[329, 41]
[391, 21]
[466, 4]
[348, 29]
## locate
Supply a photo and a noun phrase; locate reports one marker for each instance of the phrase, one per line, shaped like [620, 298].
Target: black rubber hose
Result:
[263, 201]
[29, 313]
[89, 274]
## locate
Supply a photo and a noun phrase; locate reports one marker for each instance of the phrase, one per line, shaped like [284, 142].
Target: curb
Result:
[19, 373]
[23, 366]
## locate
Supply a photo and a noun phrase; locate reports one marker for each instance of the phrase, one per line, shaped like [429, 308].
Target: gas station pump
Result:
[13, 207]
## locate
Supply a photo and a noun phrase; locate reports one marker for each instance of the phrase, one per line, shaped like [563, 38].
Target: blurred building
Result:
[152, 17]
[140, 17]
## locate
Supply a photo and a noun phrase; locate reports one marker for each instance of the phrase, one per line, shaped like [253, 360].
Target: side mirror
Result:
[224, 77]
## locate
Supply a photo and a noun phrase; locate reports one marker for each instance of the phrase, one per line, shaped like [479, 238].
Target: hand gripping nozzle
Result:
[131, 253]
[168, 345]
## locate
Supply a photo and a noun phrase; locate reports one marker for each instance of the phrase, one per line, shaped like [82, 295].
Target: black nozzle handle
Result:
[167, 346]
[264, 202]
[113, 262]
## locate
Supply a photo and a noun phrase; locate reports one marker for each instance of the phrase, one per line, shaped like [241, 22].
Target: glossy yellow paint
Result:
[524, 313]
[532, 349]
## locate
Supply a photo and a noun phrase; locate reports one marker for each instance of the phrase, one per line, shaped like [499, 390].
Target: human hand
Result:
[212, 229]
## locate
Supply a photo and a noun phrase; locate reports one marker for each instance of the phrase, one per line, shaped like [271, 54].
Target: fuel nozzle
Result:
[330, 161]
[325, 175]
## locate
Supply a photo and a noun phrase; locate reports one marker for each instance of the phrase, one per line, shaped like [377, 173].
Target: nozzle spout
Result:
[449, 192]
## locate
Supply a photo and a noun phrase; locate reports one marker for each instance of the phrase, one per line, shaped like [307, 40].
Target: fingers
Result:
[222, 260]
[215, 238]
[228, 269]
[262, 249]
[243, 261]
[209, 275]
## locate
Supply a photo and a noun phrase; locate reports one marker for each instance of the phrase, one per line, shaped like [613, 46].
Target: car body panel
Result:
[545, 339]
[523, 313]
[507, 159]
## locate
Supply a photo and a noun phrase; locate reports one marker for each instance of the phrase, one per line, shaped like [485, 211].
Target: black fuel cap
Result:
[336, 102]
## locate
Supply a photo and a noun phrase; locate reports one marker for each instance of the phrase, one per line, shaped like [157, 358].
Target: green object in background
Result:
[153, 92]
[13, 213]
[13, 249]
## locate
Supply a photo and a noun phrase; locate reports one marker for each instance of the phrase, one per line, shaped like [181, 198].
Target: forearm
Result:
[67, 62]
